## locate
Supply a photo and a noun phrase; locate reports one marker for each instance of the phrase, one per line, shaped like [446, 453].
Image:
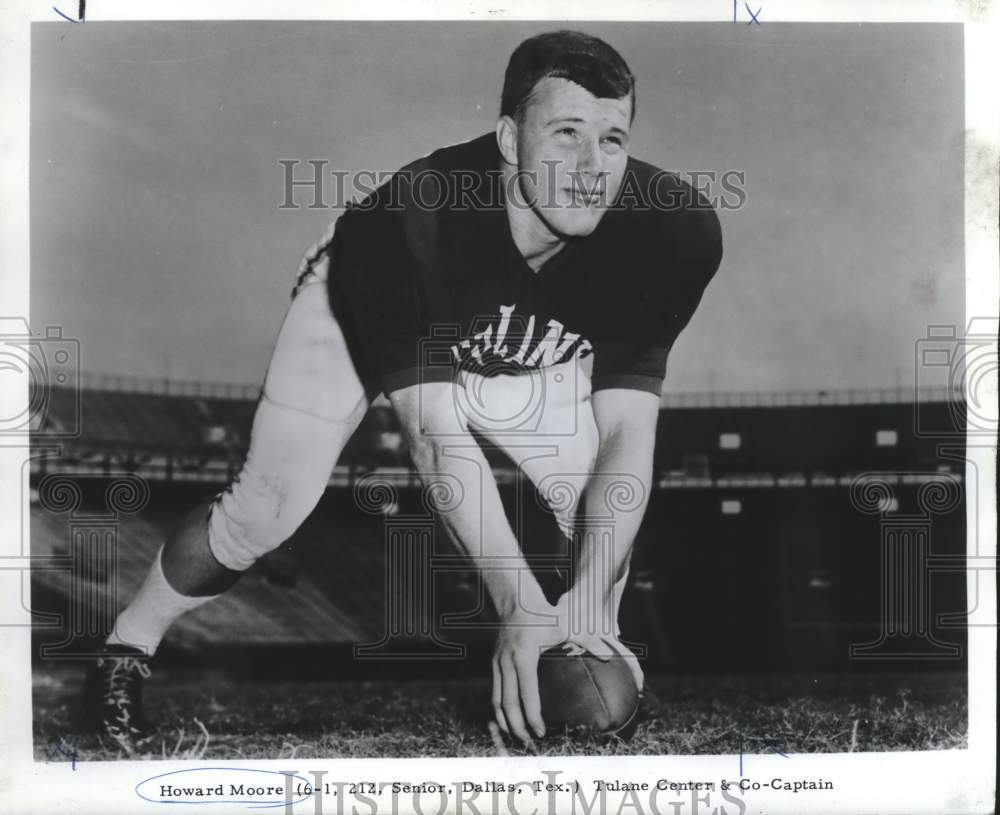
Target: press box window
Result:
[886, 438]
[732, 506]
[729, 441]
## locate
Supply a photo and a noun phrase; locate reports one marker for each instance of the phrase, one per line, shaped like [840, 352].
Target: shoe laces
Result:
[123, 677]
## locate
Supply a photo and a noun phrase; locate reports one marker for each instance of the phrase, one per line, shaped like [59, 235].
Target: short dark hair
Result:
[581, 58]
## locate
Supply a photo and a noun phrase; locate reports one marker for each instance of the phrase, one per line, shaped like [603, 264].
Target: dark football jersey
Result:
[426, 279]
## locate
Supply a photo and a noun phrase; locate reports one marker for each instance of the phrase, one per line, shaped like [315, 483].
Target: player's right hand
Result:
[522, 640]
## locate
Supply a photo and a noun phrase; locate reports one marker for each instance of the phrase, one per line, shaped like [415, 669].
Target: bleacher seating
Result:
[697, 442]
[795, 438]
[751, 529]
[165, 422]
[113, 417]
[255, 612]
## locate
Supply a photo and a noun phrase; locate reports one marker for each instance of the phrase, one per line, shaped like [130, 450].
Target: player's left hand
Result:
[603, 645]
[622, 652]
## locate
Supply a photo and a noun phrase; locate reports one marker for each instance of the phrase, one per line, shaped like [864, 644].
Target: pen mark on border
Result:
[774, 745]
[81, 14]
[65, 748]
[753, 14]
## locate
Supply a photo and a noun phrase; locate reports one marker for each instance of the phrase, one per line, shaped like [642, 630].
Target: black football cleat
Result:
[114, 696]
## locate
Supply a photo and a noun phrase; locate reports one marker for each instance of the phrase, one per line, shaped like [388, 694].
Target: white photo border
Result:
[960, 781]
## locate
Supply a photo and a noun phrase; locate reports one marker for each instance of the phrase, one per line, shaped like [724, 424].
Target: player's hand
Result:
[622, 652]
[603, 645]
[522, 639]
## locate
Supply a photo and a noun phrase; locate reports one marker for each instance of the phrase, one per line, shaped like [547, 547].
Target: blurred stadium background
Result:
[753, 554]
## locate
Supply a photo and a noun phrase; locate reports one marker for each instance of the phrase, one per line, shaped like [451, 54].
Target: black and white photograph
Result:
[499, 413]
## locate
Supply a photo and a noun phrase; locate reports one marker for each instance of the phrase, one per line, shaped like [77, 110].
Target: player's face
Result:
[572, 148]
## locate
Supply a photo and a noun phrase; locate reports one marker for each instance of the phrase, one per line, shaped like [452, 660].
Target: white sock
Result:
[155, 608]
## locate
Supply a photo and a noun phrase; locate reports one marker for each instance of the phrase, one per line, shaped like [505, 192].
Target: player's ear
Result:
[507, 139]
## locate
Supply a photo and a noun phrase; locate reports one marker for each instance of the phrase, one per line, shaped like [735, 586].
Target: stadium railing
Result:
[709, 399]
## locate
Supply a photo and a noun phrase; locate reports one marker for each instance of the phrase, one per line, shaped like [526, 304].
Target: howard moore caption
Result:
[551, 793]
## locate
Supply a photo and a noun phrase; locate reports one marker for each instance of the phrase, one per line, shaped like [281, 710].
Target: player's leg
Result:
[311, 403]
[555, 446]
[543, 422]
[569, 432]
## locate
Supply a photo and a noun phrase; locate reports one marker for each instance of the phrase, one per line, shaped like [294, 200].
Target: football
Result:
[581, 692]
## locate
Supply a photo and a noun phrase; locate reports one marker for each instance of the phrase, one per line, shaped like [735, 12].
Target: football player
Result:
[471, 289]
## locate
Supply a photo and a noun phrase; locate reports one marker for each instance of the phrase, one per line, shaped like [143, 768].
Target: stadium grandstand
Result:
[758, 548]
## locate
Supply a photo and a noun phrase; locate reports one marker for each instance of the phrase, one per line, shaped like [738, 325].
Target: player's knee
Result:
[562, 488]
[256, 514]
[292, 453]
[574, 465]
[561, 494]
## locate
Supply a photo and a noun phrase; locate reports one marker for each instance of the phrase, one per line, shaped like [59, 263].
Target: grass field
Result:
[214, 714]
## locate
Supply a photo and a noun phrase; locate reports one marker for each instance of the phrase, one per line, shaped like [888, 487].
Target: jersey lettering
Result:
[549, 350]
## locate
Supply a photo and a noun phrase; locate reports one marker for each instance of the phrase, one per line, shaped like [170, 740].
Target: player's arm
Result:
[444, 451]
[620, 485]
[377, 283]
[619, 488]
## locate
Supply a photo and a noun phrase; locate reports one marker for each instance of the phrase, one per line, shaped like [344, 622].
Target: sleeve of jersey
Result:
[377, 277]
[636, 358]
